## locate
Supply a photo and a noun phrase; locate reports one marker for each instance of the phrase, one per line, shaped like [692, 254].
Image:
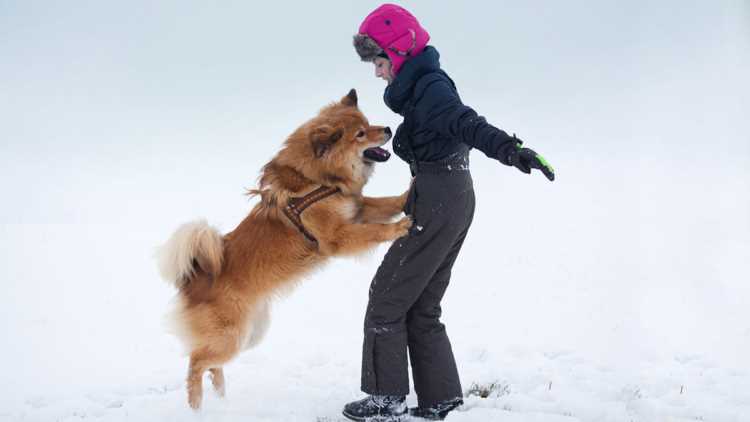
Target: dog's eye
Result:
[360, 134]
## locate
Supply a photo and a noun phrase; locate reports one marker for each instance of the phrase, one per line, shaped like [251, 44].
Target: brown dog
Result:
[226, 283]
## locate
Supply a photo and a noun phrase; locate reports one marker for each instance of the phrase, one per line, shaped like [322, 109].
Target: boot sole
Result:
[392, 418]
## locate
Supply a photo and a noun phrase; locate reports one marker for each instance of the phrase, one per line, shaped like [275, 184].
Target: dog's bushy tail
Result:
[193, 244]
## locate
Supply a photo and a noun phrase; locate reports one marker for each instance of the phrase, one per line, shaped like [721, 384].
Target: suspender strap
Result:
[295, 206]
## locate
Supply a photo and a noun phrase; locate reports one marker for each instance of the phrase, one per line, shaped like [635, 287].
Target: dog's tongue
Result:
[377, 154]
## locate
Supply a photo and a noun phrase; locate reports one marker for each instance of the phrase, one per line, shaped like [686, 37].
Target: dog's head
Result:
[341, 133]
[338, 147]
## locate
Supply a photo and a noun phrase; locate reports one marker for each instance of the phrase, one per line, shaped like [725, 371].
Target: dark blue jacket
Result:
[436, 122]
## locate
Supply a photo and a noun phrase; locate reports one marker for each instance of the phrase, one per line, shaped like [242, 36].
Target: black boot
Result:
[377, 409]
[436, 412]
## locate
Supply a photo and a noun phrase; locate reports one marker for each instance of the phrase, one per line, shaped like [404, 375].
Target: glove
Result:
[525, 159]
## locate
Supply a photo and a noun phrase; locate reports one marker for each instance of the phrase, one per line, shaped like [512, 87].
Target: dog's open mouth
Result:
[377, 154]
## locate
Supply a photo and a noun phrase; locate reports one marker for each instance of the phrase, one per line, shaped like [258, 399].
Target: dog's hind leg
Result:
[198, 365]
[217, 379]
[209, 359]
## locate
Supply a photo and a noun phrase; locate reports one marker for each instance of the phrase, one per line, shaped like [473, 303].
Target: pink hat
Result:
[392, 30]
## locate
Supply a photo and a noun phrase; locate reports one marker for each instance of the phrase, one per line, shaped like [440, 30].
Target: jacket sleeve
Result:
[440, 110]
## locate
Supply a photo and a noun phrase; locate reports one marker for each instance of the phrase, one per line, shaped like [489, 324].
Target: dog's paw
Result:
[217, 379]
[402, 227]
[194, 400]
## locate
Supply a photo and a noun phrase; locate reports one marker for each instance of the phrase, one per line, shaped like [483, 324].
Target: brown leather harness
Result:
[295, 206]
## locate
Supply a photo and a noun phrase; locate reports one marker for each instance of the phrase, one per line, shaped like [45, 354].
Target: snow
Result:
[618, 293]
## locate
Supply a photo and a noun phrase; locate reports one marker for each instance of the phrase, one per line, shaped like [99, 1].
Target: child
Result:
[434, 139]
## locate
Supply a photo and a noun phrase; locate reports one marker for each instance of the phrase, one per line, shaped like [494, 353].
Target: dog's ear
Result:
[323, 137]
[350, 99]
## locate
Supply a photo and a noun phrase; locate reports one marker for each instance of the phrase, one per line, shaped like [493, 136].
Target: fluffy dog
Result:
[226, 282]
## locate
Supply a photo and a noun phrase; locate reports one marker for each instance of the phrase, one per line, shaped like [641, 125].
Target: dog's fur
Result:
[226, 282]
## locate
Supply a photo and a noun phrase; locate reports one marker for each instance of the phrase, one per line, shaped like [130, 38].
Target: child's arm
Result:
[443, 112]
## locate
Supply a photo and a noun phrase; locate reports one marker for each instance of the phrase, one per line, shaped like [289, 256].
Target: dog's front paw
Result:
[401, 227]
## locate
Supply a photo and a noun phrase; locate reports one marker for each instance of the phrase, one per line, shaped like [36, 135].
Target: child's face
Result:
[383, 68]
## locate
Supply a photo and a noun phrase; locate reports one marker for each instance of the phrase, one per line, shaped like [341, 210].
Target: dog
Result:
[311, 208]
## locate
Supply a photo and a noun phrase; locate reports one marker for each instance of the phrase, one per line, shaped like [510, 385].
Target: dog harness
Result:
[295, 206]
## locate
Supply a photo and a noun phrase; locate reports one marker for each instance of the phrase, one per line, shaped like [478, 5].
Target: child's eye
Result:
[360, 134]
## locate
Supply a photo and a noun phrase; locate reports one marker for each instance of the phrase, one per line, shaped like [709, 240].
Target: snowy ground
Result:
[618, 293]
[571, 316]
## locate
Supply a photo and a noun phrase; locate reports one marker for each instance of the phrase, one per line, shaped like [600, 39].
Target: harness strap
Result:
[295, 206]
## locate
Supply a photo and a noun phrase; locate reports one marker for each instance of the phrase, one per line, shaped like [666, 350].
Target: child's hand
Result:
[526, 159]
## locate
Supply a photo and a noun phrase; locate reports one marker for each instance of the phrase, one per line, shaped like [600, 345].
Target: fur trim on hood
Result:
[367, 48]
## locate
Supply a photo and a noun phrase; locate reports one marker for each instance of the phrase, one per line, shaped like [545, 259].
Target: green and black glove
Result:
[525, 159]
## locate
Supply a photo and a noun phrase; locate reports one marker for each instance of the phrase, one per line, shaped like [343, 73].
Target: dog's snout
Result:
[387, 131]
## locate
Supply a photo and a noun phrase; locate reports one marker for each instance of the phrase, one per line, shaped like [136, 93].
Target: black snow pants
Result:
[404, 304]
